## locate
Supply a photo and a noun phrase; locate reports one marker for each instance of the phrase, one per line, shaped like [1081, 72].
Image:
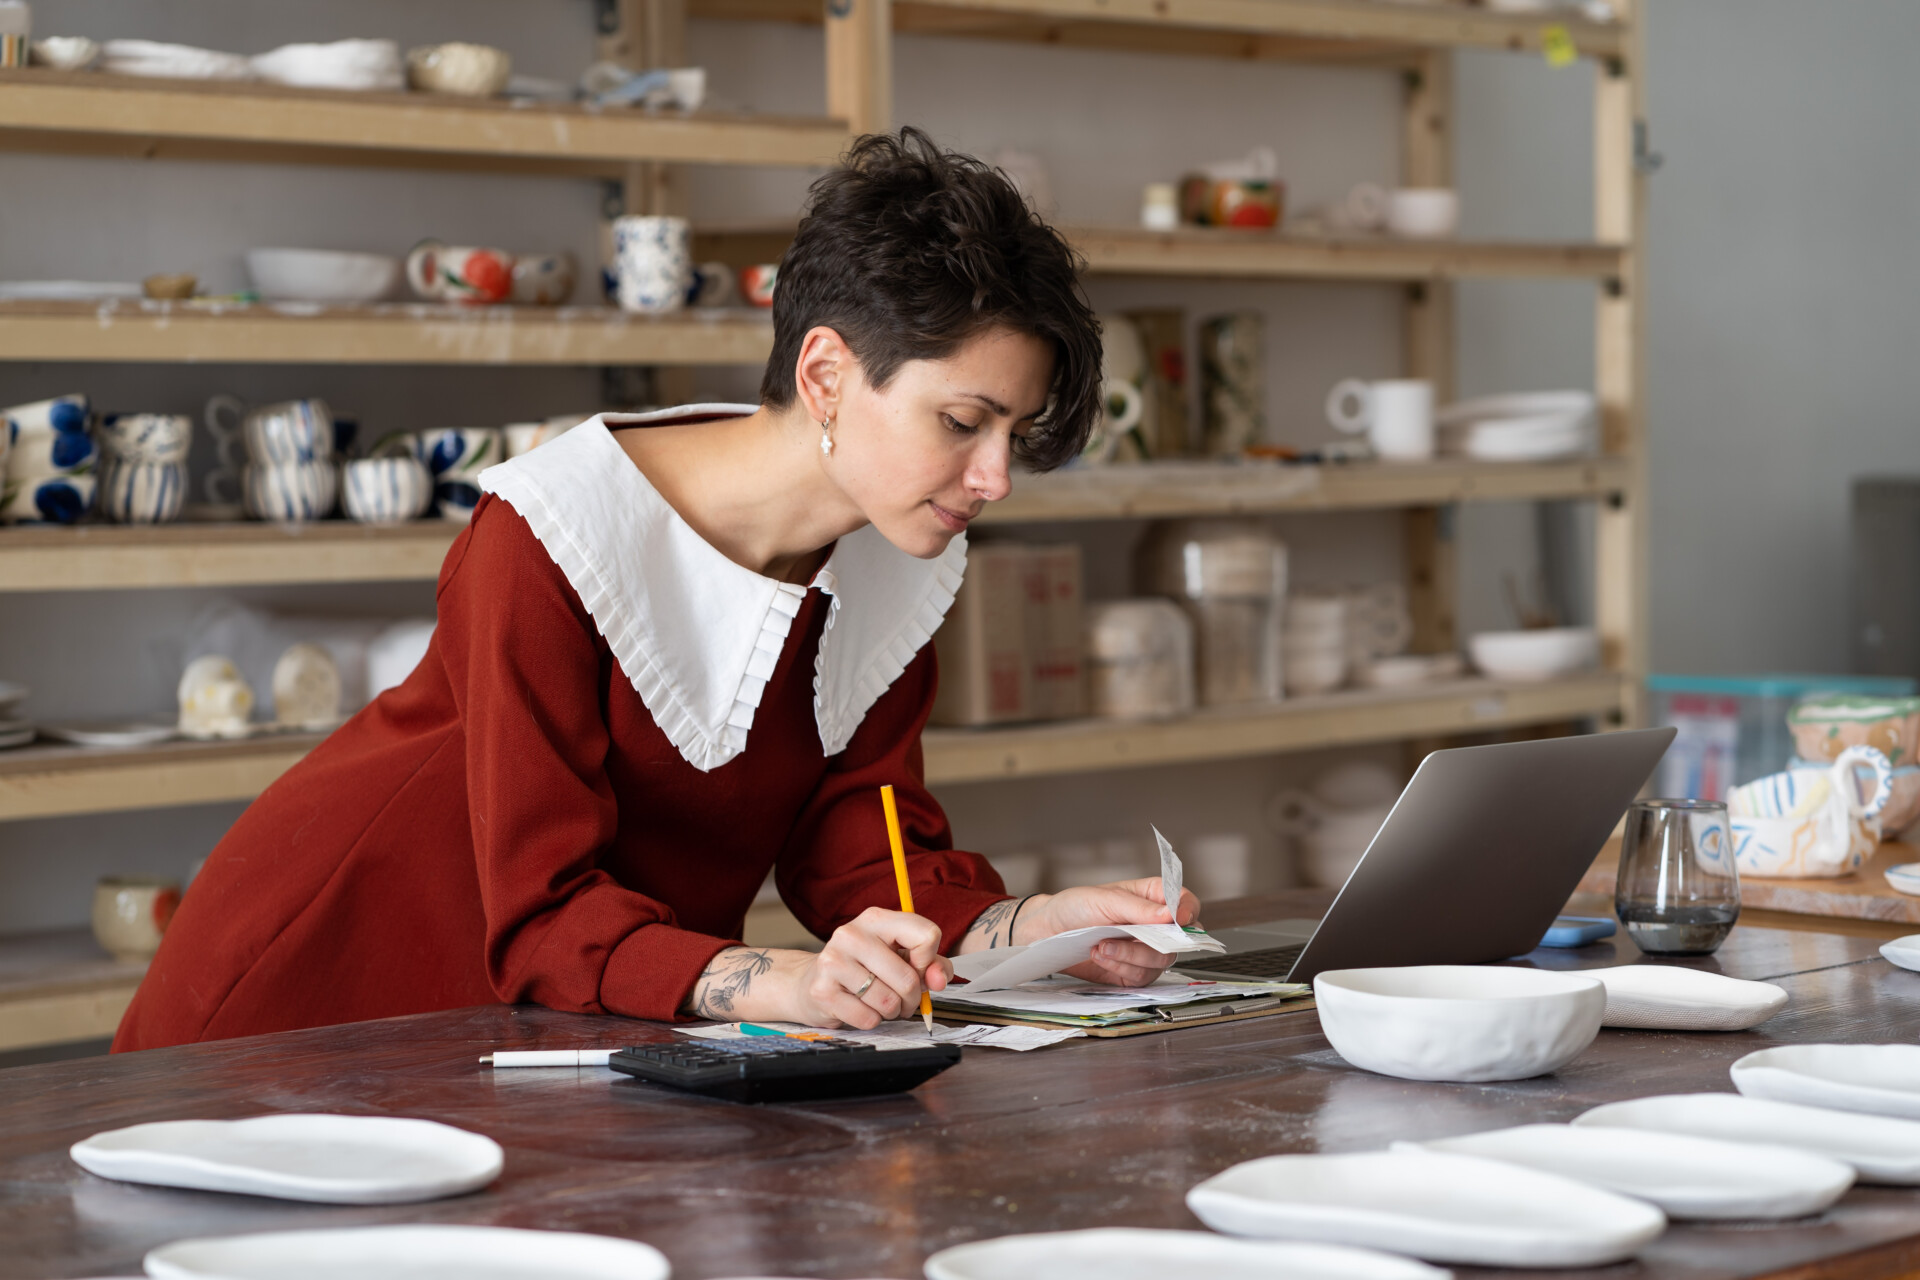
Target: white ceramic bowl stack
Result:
[1314, 643]
[1543, 654]
[1529, 427]
[1459, 1022]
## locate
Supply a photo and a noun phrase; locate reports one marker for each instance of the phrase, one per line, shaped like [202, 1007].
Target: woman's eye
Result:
[964, 428]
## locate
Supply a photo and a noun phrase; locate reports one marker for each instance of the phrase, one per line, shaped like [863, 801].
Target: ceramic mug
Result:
[525, 437]
[653, 263]
[712, 285]
[757, 282]
[456, 456]
[61, 413]
[289, 494]
[1423, 213]
[1396, 415]
[147, 437]
[460, 273]
[280, 434]
[544, 280]
[131, 913]
[48, 452]
[1786, 825]
[385, 490]
[132, 491]
[47, 499]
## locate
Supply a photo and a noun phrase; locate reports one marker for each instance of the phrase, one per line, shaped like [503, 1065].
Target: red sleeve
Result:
[524, 661]
[837, 862]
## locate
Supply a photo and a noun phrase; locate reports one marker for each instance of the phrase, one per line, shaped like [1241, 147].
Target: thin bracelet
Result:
[1015, 917]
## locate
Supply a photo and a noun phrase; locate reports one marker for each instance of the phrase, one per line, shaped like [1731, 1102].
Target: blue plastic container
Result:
[1733, 729]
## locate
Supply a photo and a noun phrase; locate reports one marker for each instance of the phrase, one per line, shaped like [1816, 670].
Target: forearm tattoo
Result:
[727, 978]
[995, 924]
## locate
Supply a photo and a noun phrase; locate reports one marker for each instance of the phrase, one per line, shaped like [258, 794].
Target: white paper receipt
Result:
[1171, 875]
[1010, 966]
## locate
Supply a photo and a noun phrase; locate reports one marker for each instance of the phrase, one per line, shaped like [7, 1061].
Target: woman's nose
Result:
[989, 475]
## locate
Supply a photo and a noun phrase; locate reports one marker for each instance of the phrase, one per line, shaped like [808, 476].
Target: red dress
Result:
[511, 825]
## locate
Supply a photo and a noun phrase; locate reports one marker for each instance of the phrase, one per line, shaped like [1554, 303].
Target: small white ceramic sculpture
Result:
[215, 701]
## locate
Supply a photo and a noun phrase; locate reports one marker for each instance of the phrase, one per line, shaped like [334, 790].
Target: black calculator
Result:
[777, 1069]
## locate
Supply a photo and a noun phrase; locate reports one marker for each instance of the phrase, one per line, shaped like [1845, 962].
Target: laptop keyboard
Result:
[1272, 962]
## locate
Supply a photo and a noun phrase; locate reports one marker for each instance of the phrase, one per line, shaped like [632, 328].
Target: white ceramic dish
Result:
[409, 1253]
[11, 696]
[1687, 1177]
[1904, 952]
[12, 738]
[1879, 1149]
[1132, 1253]
[1669, 998]
[322, 275]
[1905, 878]
[1880, 1079]
[1525, 405]
[341, 64]
[1444, 1208]
[1459, 1022]
[69, 291]
[327, 1159]
[125, 733]
[1534, 655]
[65, 53]
[172, 61]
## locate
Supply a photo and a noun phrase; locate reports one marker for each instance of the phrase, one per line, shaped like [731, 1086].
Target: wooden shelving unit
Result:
[58, 987]
[394, 333]
[84, 112]
[46, 782]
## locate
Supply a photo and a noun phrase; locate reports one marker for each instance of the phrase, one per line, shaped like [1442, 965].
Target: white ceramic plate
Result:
[68, 291]
[1905, 878]
[1524, 404]
[1445, 1208]
[11, 696]
[16, 737]
[1879, 1149]
[409, 1253]
[1881, 1079]
[1670, 998]
[1904, 952]
[1687, 1177]
[324, 1158]
[126, 733]
[1131, 1253]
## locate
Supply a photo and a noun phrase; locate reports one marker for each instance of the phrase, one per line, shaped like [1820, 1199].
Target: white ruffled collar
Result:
[697, 634]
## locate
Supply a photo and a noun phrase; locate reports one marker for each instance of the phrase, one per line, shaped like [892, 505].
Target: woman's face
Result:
[923, 457]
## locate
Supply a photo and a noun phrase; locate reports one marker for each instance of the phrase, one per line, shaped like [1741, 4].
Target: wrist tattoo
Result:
[727, 978]
[995, 923]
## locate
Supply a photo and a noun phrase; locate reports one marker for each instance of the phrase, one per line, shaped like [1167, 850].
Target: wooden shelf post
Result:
[860, 64]
[1620, 543]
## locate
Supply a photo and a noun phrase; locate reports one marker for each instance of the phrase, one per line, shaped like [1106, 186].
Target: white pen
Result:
[547, 1058]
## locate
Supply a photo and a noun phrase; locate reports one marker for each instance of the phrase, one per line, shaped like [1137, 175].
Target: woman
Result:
[676, 651]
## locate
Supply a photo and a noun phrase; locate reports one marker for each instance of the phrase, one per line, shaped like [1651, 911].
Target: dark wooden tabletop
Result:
[1087, 1133]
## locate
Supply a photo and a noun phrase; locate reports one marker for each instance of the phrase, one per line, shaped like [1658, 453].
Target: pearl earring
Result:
[826, 437]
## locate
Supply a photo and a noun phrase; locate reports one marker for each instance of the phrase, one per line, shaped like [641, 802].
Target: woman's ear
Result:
[821, 373]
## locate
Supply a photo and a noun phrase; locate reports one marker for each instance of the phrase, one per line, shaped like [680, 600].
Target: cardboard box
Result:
[1010, 648]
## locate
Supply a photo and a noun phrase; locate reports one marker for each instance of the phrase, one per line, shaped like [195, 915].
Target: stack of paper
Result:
[1072, 1002]
[907, 1034]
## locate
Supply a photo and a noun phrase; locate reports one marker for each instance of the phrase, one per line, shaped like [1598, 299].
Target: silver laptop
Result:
[1477, 857]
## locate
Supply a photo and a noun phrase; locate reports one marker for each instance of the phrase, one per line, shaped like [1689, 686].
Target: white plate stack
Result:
[1535, 426]
[14, 731]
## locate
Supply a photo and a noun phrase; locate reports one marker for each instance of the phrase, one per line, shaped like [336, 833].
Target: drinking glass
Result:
[1678, 893]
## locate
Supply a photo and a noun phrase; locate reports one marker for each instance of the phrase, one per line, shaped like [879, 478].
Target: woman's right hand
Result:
[872, 970]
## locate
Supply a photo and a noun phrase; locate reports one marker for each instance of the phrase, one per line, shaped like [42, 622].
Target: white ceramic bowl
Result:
[341, 64]
[322, 275]
[1423, 213]
[468, 70]
[1535, 655]
[385, 490]
[1459, 1022]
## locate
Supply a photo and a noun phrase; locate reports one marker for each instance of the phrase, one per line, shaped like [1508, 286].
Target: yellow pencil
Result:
[906, 889]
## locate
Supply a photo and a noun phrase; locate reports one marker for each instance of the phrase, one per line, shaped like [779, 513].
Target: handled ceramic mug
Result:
[279, 434]
[1396, 415]
[470, 274]
[147, 437]
[653, 263]
[48, 437]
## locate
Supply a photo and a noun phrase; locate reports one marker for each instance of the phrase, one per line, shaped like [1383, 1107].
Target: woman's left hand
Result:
[1122, 962]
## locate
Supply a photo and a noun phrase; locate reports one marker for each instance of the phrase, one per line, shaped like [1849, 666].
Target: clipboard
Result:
[1298, 1004]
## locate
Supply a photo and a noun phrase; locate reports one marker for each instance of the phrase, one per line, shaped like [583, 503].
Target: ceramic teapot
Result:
[1811, 823]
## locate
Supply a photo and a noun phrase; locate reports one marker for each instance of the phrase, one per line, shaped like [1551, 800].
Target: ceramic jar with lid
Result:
[1231, 578]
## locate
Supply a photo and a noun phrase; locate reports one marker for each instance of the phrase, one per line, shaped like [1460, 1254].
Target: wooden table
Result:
[1088, 1133]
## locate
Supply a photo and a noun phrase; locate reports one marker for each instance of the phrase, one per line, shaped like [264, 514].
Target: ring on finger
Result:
[863, 988]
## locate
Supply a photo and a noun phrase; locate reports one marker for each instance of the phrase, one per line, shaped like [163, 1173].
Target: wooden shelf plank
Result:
[92, 111]
[1164, 490]
[44, 782]
[57, 781]
[1329, 720]
[252, 553]
[1224, 253]
[245, 553]
[1290, 30]
[60, 986]
[394, 333]
[1254, 255]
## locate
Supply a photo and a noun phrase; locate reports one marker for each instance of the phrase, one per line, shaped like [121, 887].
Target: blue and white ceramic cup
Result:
[146, 437]
[285, 433]
[290, 494]
[48, 438]
[456, 456]
[62, 413]
[132, 491]
[47, 499]
[386, 490]
[653, 263]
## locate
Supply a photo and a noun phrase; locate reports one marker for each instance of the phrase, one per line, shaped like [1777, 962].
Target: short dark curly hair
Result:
[907, 251]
